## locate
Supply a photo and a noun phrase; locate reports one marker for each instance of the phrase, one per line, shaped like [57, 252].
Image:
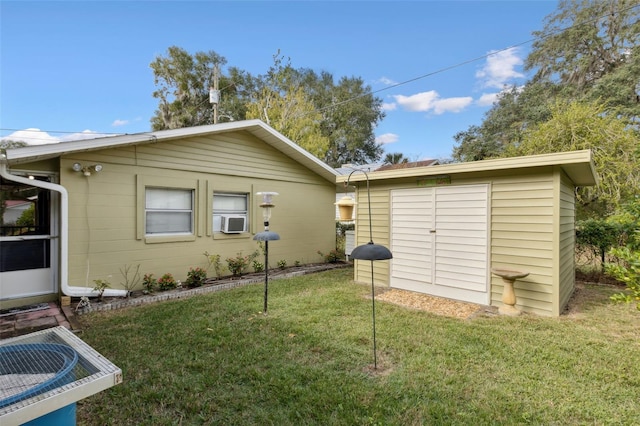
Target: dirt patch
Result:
[435, 305]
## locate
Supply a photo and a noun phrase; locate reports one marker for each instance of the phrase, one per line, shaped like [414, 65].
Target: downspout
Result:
[64, 234]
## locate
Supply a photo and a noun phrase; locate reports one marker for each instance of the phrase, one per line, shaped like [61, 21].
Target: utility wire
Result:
[370, 93]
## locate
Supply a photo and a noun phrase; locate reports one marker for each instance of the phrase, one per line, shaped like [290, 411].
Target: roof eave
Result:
[256, 127]
[578, 165]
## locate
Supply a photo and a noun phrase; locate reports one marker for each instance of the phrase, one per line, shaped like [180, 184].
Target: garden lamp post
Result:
[370, 252]
[266, 236]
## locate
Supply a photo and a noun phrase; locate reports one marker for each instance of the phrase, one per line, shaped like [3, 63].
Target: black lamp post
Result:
[266, 236]
[370, 252]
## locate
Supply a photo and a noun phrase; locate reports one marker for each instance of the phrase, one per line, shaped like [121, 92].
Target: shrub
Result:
[237, 265]
[196, 277]
[334, 256]
[297, 263]
[149, 283]
[600, 235]
[100, 287]
[213, 260]
[167, 282]
[257, 266]
[130, 280]
[628, 272]
[282, 264]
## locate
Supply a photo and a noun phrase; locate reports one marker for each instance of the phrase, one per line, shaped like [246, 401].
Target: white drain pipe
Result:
[66, 289]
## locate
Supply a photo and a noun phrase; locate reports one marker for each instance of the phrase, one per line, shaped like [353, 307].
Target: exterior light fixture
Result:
[86, 170]
[266, 236]
[370, 252]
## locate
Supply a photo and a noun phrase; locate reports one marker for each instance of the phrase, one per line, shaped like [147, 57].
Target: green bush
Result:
[628, 272]
[167, 282]
[282, 264]
[334, 256]
[237, 265]
[196, 277]
[257, 266]
[598, 234]
[149, 283]
[213, 260]
[100, 287]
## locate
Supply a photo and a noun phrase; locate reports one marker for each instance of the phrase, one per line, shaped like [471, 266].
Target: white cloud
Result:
[118, 122]
[389, 106]
[33, 136]
[386, 81]
[85, 134]
[431, 101]
[387, 138]
[500, 68]
[488, 99]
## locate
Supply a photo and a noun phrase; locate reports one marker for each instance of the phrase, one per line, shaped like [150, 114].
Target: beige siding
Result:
[522, 237]
[380, 213]
[524, 234]
[566, 243]
[105, 233]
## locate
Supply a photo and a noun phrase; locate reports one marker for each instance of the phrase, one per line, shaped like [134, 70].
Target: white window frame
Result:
[144, 182]
[168, 209]
[218, 212]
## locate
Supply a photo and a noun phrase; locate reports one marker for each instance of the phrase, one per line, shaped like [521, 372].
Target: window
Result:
[232, 206]
[168, 211]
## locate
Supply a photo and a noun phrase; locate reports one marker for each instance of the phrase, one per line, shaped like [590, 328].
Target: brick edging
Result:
[182, 293]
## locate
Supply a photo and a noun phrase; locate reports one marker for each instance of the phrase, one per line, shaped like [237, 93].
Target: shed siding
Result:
[104, 232]
[567, 243]
[522, 236]
[523, 231]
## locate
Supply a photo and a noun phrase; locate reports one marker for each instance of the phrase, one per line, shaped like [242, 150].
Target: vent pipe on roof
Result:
[64, 234]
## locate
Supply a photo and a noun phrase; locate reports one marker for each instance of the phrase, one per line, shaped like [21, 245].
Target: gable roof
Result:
[256, 127]
[578, 165]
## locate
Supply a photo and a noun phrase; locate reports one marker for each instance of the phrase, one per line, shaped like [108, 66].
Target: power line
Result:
[370, 93]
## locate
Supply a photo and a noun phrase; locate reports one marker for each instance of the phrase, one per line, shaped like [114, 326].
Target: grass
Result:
[215, 359]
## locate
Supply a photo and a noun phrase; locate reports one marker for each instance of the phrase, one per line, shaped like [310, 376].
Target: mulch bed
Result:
[432, 304]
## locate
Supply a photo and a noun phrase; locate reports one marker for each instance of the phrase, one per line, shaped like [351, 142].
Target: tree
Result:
[335, 122]
[395, 158]
[584, 41]
[615, 147]
[183, 83]
[350, 115]
[588, 51]
[282, 103]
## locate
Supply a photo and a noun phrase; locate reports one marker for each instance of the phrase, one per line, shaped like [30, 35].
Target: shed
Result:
[161, 200]
[448, 225]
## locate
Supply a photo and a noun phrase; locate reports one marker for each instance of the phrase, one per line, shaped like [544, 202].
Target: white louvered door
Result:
[439, 241]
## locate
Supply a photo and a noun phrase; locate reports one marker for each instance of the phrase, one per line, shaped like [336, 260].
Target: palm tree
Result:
[395, 158]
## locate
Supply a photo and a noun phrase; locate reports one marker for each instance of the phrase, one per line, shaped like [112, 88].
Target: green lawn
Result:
[214, 359]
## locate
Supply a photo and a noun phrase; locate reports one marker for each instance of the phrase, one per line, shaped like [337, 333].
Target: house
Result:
[448, 225]
[161, 200]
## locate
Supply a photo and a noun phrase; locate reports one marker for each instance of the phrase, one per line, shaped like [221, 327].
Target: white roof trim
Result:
[577, 164]
[256, 127]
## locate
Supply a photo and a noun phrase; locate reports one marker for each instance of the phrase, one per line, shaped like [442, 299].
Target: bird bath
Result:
[509, 276]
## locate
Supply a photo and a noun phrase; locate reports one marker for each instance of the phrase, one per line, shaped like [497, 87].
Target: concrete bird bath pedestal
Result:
[508, 294]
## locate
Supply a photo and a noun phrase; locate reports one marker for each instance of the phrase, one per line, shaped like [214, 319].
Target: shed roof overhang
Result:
[256, 127]
[578, 165]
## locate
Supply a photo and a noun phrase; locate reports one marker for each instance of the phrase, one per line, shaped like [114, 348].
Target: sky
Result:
[80, 69]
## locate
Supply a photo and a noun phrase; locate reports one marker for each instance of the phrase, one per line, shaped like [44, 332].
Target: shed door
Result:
[439, 241]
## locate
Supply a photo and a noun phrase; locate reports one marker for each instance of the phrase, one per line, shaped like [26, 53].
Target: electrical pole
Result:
[214, 94]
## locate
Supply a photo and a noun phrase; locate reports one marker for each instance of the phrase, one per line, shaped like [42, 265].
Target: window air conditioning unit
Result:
[233, 224]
